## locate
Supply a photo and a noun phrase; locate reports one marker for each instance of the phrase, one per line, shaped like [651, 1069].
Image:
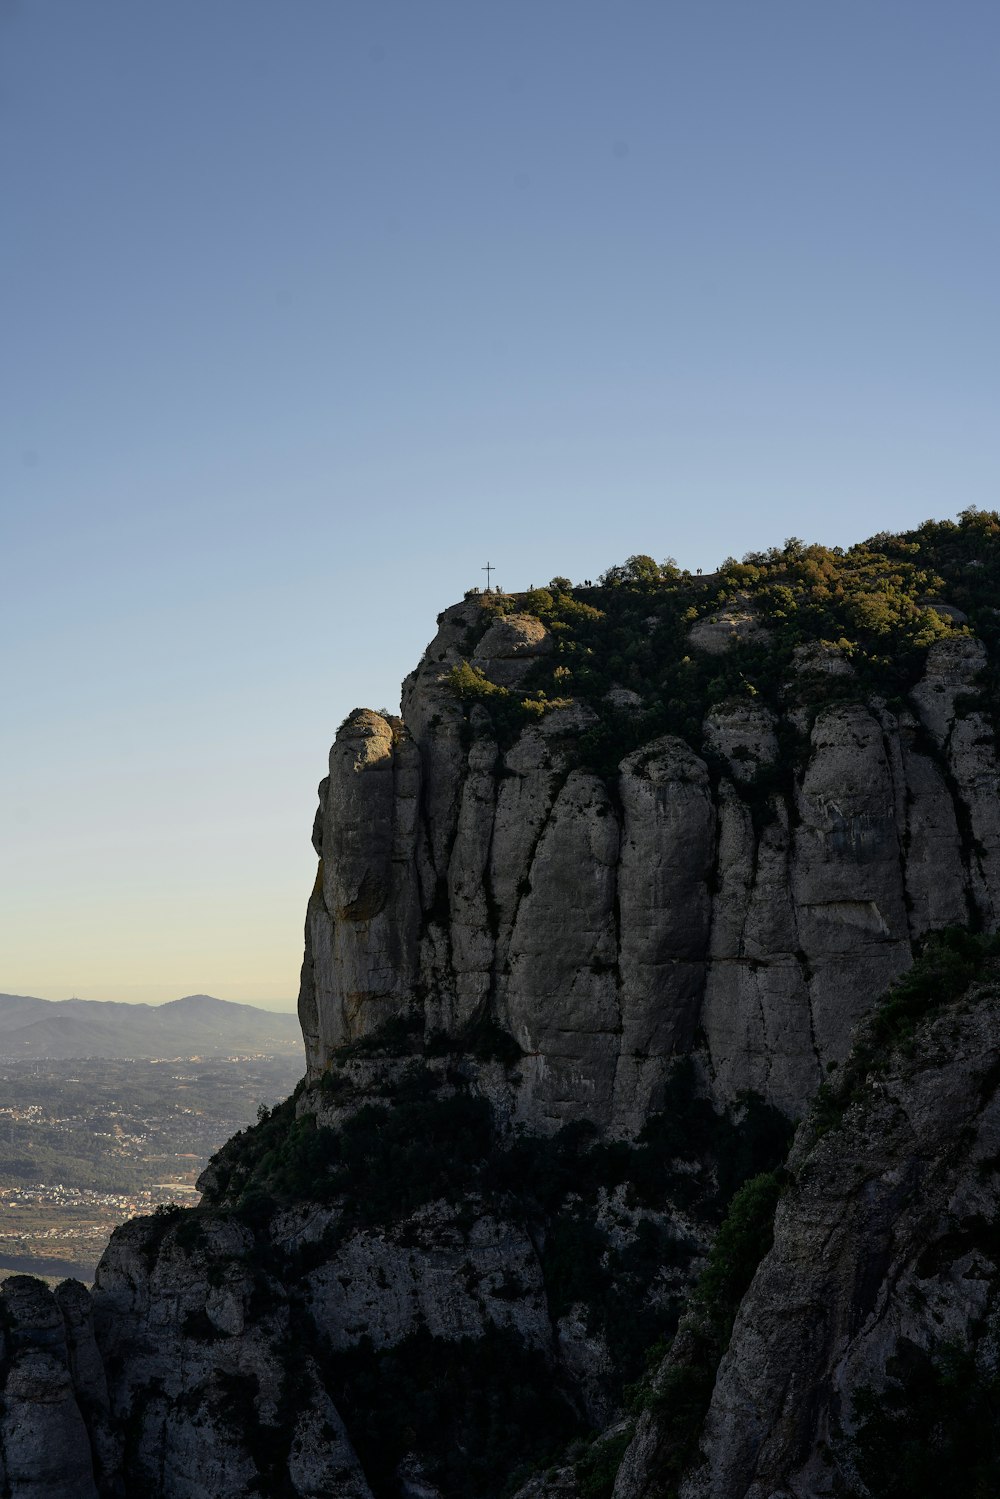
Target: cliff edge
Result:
[596, 921]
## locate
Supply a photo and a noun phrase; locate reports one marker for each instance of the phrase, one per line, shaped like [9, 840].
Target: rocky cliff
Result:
[864, 1356]
[596, 919]
[746, 896]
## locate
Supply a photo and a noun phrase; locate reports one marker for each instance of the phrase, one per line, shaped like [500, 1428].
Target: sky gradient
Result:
[311, 309]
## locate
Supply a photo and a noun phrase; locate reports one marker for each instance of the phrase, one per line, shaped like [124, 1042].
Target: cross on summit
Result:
[489, 568]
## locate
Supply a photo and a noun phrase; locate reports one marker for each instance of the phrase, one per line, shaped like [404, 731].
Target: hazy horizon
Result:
[286, 1007]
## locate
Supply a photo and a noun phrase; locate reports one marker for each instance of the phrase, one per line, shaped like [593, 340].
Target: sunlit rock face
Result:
[610, 922]
[362, 921]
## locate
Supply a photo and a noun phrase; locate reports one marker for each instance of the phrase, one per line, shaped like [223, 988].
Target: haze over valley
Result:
[109, 1109]
[196, 1024]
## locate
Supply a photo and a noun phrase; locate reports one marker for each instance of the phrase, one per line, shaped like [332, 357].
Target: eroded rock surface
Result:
[885, 1244]
[719, 632]
[611, 923]
[50, 1379]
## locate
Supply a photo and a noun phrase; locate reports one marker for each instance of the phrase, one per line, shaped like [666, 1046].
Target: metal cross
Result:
[489, 568]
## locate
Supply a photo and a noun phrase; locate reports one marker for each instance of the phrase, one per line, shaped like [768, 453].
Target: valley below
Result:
[86, 1144]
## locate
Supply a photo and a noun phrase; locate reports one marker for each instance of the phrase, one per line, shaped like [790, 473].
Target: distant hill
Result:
[197, 1025]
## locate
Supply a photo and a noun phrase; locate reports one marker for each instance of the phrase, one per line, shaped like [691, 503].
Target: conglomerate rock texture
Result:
[574, 967]
[609, 925]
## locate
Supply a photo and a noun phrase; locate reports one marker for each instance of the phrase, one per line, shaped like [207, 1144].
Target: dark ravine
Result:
[596, 921]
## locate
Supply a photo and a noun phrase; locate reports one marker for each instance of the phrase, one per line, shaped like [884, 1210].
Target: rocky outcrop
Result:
[506, 651]
[668, 835]
[885, 1247]
[719, 632]
[746, 901]
[362, 919]
[53, 1396]
[947, 701]
[197, 1340]
[229, 1342]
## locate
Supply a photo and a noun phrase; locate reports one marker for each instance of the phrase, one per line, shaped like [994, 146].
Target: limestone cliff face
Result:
[688, 901]
[569, 977]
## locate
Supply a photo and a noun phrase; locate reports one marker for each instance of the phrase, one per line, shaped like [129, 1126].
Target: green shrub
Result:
[559, 1181]
[400, 1035]
[743, 1239]
[681, 1395]
[467, 682]
[950, 961]
[597, 1470]
[478, 1408]
[934, 1429]
[875, 601]
[387, 1162]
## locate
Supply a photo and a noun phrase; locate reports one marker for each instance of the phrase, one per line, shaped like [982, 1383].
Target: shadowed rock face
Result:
[743, 905]
[885, 1243]
[611, 924]
[52, 1387]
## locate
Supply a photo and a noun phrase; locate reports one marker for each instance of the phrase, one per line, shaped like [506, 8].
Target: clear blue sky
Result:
[312, 307]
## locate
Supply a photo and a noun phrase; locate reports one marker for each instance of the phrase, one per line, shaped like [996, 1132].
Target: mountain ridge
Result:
[34, 1028]
[644, 880]
[142, 1004]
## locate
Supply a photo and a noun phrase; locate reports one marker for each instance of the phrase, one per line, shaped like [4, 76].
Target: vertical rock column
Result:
[668, 848]
[363, 918]
[471, 917]
[45, 1447]
[946, 700]
[756, 1019]
[560, 996]
[847, 876]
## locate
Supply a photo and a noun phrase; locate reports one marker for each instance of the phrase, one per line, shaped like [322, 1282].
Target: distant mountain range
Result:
[197, 1025]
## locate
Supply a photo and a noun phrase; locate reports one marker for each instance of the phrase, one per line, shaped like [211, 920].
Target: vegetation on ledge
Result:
[881, 604]
[680, 1392]
[437, 1141]
[933, 1430]
[951, 961]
